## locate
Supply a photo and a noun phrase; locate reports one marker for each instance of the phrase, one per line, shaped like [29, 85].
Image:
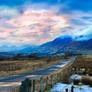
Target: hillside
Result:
[58, 46]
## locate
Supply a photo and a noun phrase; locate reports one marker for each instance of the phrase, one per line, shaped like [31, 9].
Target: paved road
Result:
[10, 82]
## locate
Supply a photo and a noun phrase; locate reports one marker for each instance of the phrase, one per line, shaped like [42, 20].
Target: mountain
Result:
[13, 50]
[58, 46]
[25, 49]
[55, 45]
[7, 48]
[28, 50]
[66, 44]
[48, 48]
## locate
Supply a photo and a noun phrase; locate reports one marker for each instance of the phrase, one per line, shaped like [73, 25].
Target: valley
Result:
[10, 67]
[10, 82]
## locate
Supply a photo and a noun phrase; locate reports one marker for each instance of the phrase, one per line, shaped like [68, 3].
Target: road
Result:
[7, 83]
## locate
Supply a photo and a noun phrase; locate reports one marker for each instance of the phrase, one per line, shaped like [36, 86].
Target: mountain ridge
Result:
[61, 44]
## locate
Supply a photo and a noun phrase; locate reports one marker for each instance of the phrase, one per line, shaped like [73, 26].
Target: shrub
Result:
[87, 81]
[76, 81]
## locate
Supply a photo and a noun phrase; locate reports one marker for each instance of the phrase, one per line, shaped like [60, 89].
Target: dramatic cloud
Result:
[83, 33]
[33, 27]
[39, 21]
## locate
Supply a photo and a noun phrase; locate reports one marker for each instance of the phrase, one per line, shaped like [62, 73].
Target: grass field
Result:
[84, 63]
[22, 66]
[81, 66]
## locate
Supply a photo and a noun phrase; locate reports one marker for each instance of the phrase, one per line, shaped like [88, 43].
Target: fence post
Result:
[66, 90]
[72, 89]
[51, 81]
[41, 84]
[55, 79]
[25, 86]
[33, 85]
[30, 85]
[60, 77]
[46, 84]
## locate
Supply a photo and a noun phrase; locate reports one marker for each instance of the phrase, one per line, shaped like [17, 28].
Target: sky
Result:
[36, 22]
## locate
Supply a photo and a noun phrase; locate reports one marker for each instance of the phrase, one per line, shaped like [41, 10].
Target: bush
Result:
[87, 81]
[76, 81]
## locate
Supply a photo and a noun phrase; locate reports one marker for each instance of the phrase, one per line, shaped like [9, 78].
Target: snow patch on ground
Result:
[60, 87]
[79, 77]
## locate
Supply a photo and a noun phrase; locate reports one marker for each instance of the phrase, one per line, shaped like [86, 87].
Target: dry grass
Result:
[76, 81]
[84, 61]
[87, 80]
[57, 76]
[22, 66]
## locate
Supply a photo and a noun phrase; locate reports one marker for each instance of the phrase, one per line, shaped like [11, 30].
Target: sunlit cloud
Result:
[40, 21]
[35, 27]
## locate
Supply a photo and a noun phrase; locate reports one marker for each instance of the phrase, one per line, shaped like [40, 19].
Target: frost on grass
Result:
[79, 77]
[80, 87]
[60, 87]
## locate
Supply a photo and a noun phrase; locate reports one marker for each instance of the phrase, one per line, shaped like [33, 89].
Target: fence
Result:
[44, 83]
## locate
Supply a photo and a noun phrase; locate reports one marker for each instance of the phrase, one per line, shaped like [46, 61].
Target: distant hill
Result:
[55, 45]
[66, 44]
[58, 46]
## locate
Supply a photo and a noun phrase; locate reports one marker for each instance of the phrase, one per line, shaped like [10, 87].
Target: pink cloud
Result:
[4, 35]
[35, 28]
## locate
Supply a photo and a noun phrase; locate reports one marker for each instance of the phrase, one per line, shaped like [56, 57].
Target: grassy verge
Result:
[26, 65]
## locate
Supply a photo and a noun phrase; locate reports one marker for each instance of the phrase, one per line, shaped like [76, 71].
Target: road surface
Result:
[7, 83]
